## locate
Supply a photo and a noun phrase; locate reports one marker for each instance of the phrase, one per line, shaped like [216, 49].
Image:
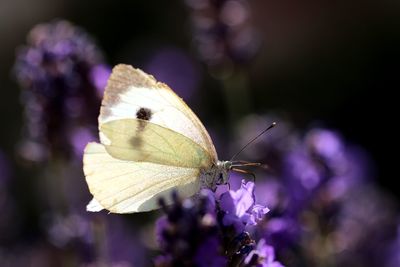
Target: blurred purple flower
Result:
[60, 71]
[222, 31]
[263, 255]
[324, 180]
[95, 240]
[326, 144]
[64, 230]
[316, 189]
[175, 68]
[282, 232]
[161, 226]
[79, 138]
[365, 210]
[271, 193]
[99, 75]
[208, 254]
[323, 163]
[185, 228]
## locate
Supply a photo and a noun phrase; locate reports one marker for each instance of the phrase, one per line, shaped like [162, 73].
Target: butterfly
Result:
[151, 144]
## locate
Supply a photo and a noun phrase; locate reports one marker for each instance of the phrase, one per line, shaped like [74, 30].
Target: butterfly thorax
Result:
[216, 175]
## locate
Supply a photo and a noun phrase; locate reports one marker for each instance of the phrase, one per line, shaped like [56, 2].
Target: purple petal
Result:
[266, 255]
[259, 211]
[238, 202]
[243, 198]
[227, 203]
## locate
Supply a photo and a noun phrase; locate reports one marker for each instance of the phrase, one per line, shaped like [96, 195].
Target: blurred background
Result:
[318, 69]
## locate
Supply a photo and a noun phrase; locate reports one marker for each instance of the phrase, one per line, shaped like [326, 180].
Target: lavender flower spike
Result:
[61, 72]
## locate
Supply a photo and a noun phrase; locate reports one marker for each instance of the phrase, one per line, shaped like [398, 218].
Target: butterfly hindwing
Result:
[143, 141]
[124, 186]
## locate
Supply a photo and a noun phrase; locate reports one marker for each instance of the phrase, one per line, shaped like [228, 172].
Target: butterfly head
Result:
[218, 174]
[223, 168]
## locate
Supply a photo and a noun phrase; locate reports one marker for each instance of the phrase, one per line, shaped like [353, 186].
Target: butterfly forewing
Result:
[131, 93]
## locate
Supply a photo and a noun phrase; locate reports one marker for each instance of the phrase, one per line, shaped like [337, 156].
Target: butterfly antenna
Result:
[252, 140]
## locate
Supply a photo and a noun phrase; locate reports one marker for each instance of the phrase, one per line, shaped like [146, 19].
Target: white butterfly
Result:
[151, 144]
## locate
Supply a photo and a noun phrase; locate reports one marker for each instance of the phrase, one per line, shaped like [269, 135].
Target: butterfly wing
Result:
[152, 143]
[143, 141]
[132, 94]
[122, 186]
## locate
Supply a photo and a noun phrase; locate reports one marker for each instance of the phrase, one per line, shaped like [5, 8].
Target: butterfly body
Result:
[216, 175]
[151, 144]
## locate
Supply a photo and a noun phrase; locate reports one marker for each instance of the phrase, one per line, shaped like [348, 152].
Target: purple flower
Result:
[263, 255]
[60, 71]
[324, 179]
[239, 207]
[316, 192]
[198, 232]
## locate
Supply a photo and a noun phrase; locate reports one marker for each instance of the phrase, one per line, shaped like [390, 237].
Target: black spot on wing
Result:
[144, 114]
